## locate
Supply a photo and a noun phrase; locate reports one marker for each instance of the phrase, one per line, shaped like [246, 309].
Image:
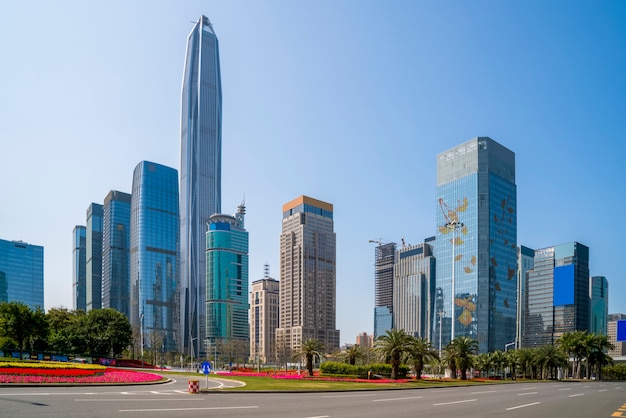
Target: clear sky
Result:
[348, 102]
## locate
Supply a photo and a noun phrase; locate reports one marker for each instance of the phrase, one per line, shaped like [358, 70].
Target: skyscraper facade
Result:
[154, 226]
[79, 267]
[227, 279]
[525, 262]
[93, 275]
[264, 313]
[599, 305]
[476, 242]
[116, 252]
[383, 281]
[413, 290]
[21, 273]
[200, 174]
[307, 275]
[557, 294]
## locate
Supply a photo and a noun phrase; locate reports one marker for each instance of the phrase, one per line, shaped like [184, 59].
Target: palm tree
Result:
[420, 352]
[392, 346]
[464, 349]
[353, 353]
[575, 344]
[310, 349]
[550, 358]
[525, 359]
[498, 359]
[449, 358]
[598, 345]
[483, 362]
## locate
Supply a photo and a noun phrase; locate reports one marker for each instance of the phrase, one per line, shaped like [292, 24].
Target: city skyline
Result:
[546, 81]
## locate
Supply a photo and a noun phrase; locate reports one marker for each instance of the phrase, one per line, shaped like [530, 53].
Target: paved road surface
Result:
[546, 399]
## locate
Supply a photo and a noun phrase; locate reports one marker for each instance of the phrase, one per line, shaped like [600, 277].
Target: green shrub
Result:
[347, 370]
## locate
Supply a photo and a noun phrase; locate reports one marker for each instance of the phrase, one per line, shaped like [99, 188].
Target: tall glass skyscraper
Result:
[116, 252]
[227, 279]
[557, 294]
[79, 268]
[93, 276]
[413, 290]
[476, 244]
[200, 175]
[21, 273]
[599, 305]
[383, 276]
[154, 226]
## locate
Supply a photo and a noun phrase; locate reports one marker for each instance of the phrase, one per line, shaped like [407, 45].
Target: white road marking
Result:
[347, 396]
[601, 390]
[454, 402]
[396, 399]
[320, 416]
[522, 406]
[565, 389]
[189, 409]
[578, 394]
[484, 391]
[527, 393]
[140, 399]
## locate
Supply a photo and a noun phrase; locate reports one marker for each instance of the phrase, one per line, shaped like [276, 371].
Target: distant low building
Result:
[619, 349]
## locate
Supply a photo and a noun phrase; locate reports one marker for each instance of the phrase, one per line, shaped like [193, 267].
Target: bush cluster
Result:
[360, 372]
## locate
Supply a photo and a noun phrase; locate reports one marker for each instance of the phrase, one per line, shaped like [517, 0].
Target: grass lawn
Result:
[262, 383]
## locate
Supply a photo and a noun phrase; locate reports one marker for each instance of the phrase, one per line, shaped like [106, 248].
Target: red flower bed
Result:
[31, 371]
[108, 376]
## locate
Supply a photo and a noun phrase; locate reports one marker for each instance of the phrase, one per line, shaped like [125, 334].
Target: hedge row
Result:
[361, 372]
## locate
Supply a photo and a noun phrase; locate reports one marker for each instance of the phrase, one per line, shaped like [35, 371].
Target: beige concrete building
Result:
[620, 347]
[307, 277]
[264, 313]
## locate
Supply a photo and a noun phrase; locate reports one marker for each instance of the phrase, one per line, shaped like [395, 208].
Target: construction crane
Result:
[378, 241]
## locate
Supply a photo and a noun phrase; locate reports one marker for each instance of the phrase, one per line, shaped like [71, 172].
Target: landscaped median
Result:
[20, 372]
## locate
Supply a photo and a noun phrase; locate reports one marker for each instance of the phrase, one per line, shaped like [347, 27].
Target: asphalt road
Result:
[546, 399]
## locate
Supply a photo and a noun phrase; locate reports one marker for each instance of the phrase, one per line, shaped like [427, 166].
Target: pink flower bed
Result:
[109, 376]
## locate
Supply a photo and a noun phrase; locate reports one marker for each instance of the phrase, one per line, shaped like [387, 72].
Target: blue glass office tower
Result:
[200, 174]
[21, 273]
[227, 279]
[599, 305]
[154, 226]
[93, 278]
[79, 267]
[476, 243]
[116, 252]
[557, 294]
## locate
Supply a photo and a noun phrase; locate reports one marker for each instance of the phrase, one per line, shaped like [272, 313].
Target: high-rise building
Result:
[200, 175]
[414, 290]
[364, 340]
[154, 226]
[599, 305]
[264, 313]
[116, 252]
[525, 262]
[227, 279]
[93, 275]
[79, 267]
[307, 276]
[619, 347]
[21, 273]
[383, 280]
[477, 241]
[557, 294]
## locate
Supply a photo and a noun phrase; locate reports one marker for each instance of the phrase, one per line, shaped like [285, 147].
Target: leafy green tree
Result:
[483, 362]
[21, 324]
[310, 349]
[108, 332]
[463, 349]
[420, 351]
[67, 331]
[391, 348]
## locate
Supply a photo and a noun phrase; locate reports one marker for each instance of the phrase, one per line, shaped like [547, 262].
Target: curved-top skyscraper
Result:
[200, 175]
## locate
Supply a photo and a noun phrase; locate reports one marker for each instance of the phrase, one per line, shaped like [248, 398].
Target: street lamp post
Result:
[441, 314]
[506, 346]
[141, 333]
[453, 226]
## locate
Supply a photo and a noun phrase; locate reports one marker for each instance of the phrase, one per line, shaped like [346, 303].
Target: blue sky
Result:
[345, 101]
